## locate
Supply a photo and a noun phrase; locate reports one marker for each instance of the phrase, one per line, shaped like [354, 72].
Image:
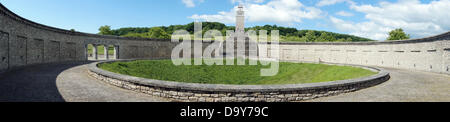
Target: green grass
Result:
[100, 50]
[289, 73]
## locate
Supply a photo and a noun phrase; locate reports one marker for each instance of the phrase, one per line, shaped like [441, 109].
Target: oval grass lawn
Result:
[289, 73]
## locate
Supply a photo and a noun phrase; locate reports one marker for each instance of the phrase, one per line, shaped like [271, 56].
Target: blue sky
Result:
[366, 18]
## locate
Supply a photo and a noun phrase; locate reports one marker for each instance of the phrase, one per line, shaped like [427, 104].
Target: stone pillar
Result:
[240, 21]
[86, 52]
[116, 51]
[94, 52]
[105, 47]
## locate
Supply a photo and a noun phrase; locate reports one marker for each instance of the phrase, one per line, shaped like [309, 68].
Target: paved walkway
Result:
[404, 86]
[71, 83]
[63, 83]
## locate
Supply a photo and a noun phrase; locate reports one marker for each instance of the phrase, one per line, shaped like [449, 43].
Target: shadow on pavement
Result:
[34, 83]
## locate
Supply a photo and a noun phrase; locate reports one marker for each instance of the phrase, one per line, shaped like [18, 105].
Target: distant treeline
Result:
[286, 33]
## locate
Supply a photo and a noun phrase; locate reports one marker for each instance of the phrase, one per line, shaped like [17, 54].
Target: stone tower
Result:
[240, 40]
[240, 18]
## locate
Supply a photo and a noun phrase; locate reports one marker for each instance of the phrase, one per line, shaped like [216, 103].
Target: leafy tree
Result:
[140, 35]
[340, 40]
[125, 31]
[155, 32]
[310, 36]
[398, 34]
[105, 30]
[349, 39]
[286, 33]
[293, 38]
[159, 33]
[325, 37]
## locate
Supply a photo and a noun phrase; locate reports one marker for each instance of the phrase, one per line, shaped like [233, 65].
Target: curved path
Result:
[70, 82]
[404, 86]
[63, 83]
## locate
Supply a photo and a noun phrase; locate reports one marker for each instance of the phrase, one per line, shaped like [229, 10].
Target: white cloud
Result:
[332, 2]
[224, 17]
[416, 18]
[247, 1]
[278, 11]
[364, 29]
[344, 13]
[191, 3]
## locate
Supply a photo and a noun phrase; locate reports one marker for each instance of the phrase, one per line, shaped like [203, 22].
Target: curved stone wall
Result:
[23, 43]
[193, 92]
[427, 54]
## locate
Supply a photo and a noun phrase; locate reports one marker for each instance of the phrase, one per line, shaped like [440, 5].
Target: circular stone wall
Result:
[193, 92]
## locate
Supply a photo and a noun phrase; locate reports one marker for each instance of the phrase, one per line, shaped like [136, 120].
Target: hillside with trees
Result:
[286, 33]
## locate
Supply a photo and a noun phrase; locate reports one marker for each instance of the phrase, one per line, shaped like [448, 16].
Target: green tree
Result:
[287, 34]
[398, 34]
[310, 36]
[325, 37]
[159, 33]
[340, 40]
[349, 39]
[140, 35]
[155, 32]
[105, 30]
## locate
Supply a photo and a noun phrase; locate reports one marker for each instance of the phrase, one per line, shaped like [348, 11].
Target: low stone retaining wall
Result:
[192, 92]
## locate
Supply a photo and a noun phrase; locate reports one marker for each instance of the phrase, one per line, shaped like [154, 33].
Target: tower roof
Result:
[241, 6]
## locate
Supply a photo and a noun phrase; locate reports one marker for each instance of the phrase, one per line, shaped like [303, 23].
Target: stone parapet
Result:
[192, 92]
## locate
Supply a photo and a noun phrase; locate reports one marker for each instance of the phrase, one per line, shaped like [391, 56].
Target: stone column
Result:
[116, 51]
[86, 52]
[94, 52]
[105, 47]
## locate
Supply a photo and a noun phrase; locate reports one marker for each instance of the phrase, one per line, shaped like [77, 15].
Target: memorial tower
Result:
[240, 19]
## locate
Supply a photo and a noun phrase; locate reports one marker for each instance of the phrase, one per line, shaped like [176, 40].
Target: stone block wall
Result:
[24, 43]
[52, 52]
[18, 51]
[35, 51]
[430, 55]
[4, 47]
